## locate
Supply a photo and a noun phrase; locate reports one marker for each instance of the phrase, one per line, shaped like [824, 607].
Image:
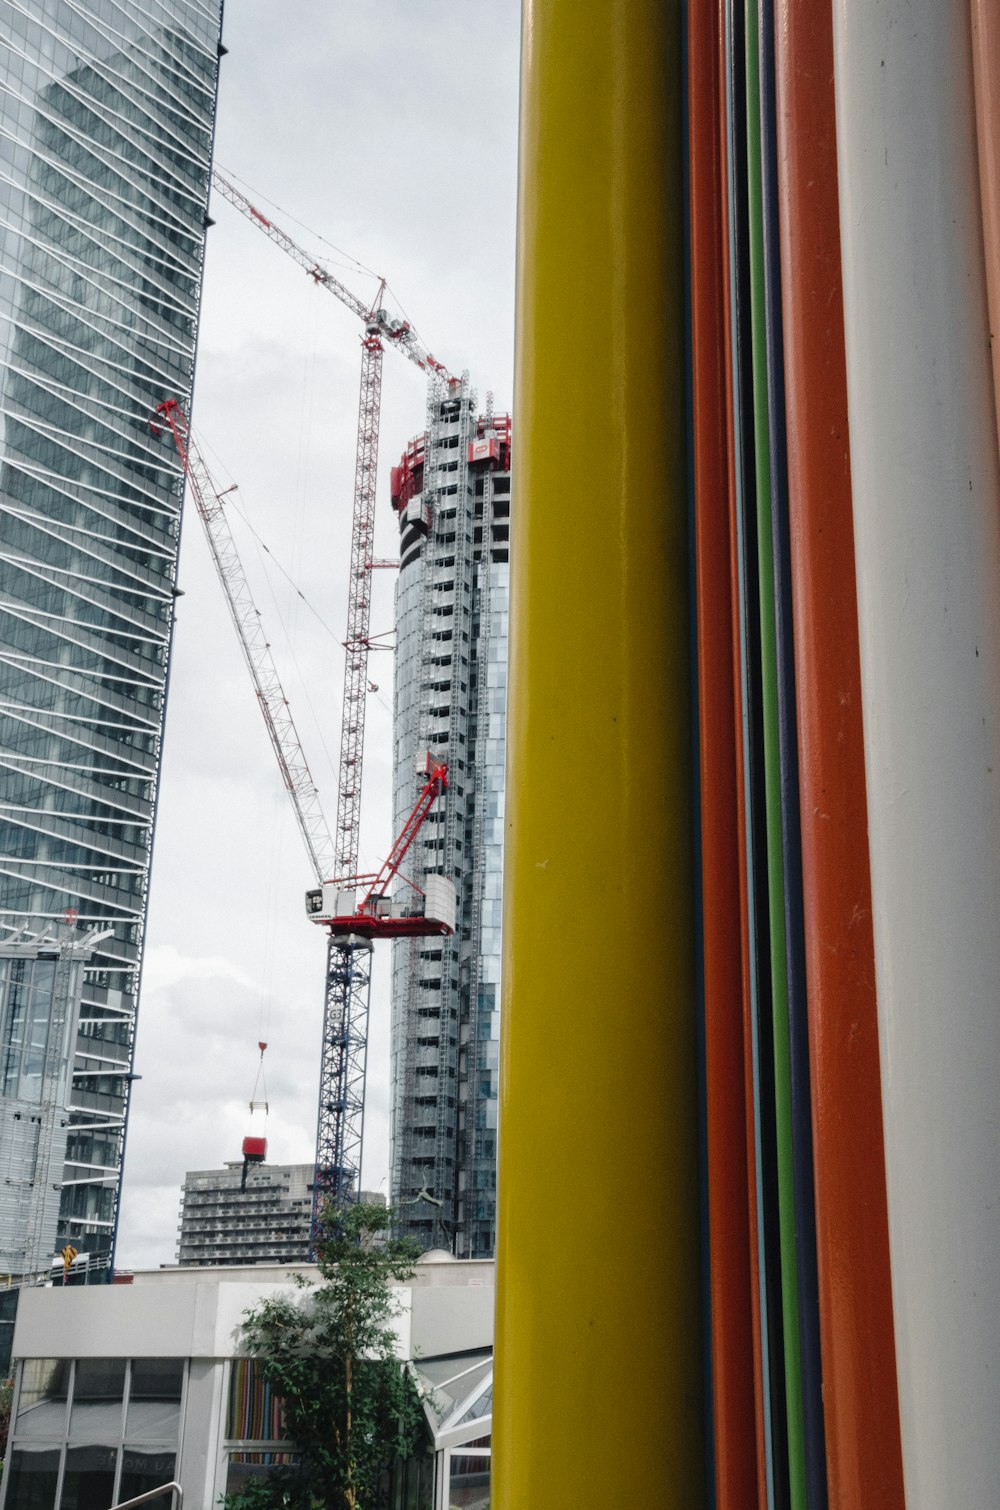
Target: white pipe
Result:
[927, 529]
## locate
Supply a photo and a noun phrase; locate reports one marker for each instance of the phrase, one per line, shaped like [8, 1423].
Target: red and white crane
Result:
[345, 1032]
[419, 912]
[380, 330]
[352, 924]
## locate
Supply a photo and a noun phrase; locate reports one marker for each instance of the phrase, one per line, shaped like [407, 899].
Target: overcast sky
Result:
[387, 128]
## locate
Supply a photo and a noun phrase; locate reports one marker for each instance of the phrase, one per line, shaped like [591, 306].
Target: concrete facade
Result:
[267, 1222]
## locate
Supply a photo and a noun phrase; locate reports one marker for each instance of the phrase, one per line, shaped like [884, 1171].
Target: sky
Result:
[382, 135]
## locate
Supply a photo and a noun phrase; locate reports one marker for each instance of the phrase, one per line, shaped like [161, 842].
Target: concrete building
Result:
[266, 1222]
[122, 1388]
[451, 493]
[106, 120]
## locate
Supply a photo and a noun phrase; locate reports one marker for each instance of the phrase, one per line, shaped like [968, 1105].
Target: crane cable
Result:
[260, 1084]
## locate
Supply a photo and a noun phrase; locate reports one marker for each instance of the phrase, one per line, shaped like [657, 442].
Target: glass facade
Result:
[106, 117]
[452, 495]
[253, 1416]
[89, 1433]
[27, 1026]
[457, 1395]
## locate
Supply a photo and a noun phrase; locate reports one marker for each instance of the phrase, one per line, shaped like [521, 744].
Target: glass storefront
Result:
[91, 1432]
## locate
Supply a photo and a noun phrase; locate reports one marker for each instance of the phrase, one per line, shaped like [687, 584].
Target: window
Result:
[154, 1404]
[98, 1393]
[244, 1466]
[33, 1477]
[94, 1431]
[89, 1478]
[144, 1469]
[254, 1413]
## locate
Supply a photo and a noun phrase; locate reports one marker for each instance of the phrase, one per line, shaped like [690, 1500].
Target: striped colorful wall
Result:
[753, 854]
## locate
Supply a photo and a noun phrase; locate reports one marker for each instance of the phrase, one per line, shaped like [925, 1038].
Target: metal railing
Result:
[152, 1494]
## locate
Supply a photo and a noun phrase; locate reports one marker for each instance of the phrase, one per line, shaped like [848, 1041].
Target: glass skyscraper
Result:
[451, 493]
[106, 119]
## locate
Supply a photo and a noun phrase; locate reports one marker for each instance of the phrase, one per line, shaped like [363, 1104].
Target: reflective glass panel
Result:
[142, 1471]
[98, 1389]
[469, 1481]
[89, 1478]
[244, 1466]
[479, 1408]
[32, 1473]
[42, 1409]
[154, 1400]
[254, 1413]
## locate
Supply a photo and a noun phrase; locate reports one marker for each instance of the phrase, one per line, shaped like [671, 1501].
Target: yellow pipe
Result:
[598, 1369]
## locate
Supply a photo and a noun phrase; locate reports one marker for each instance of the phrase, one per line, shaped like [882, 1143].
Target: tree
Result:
[6, 1399]
[329, 1355]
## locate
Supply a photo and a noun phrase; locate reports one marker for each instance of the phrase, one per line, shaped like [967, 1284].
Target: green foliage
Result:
[350, 1408]
[6, 1400]
[278, 1489]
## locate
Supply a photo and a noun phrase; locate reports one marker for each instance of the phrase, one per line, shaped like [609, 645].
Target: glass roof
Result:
[452, 1390]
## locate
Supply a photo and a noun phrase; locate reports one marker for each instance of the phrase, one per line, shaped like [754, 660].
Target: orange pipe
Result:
[729, 1217]
[864, 1459]
[986, 70]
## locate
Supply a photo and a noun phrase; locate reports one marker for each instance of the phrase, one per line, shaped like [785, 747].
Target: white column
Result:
[927, 530]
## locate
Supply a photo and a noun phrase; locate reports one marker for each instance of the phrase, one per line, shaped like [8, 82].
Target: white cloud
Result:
[165, 965]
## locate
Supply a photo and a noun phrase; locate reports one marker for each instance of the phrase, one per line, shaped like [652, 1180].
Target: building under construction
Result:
[451, 494]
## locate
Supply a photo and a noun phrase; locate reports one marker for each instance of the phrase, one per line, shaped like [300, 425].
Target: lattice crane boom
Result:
[357, 642]
[435, 784]
[246, 618]
[396, 332]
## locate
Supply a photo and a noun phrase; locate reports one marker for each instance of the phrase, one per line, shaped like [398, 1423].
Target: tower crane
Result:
[352, 925]
[345, 1032]
[379, 327]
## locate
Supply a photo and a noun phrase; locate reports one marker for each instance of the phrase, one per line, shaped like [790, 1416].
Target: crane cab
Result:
[411, 913]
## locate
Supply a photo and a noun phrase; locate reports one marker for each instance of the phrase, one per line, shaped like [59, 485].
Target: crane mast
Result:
[379, 327]
[343, 1056]
[358, 642]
